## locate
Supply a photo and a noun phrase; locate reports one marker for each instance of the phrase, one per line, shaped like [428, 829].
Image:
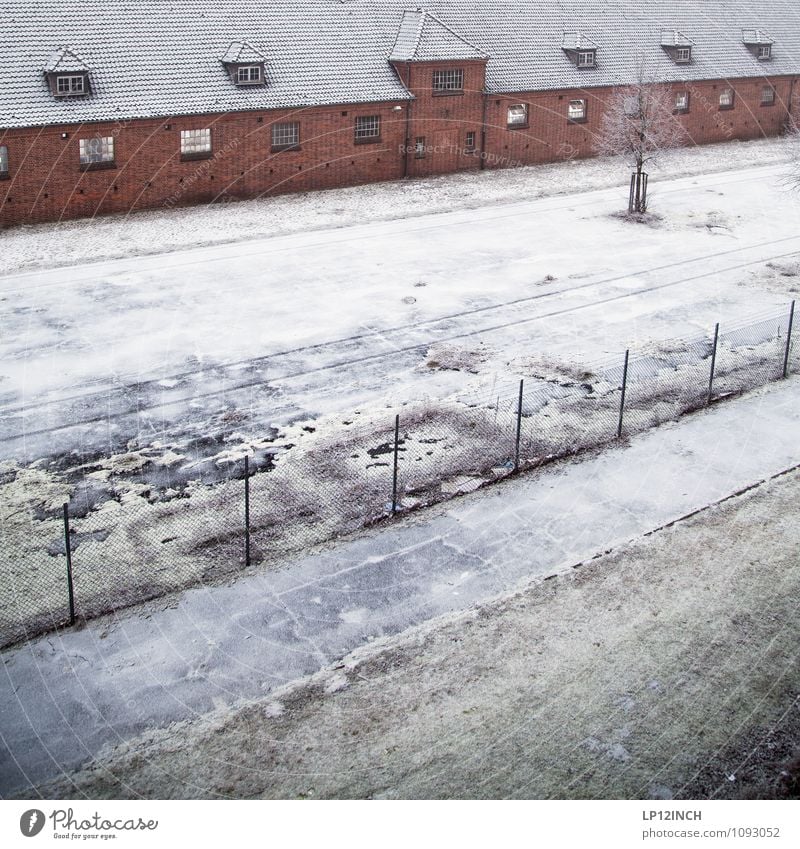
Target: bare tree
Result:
[638, 124]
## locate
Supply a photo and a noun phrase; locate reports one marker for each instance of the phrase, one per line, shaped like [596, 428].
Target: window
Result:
[586, 58]
[764, 51]
[470, 145]
[368, 129]
[726, 98]
[518, 115]
[97, 151]
[195, 144]
[419, 148]
[767, 95]
[683, 55]
[285, 136]
[682, 101]
[3, 161]
[248, 75]
[577, 110]
[66, 86]
[448, 81]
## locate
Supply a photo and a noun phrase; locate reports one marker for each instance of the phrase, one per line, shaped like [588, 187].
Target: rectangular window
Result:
[726, 98]
[518, 115]
[577, 110]
[764, 51]
[71, 85]
[767, 96]
[419, 148]
[448, 81]
[682, 101]
[470, 145]
[97, 151]
[248, 74]
[195, 143]
[368, 128]
[3, 161]
[586, 59]
[683, 55]
[285, 136]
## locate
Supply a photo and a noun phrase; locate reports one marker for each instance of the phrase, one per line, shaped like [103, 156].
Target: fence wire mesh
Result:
[185, 524]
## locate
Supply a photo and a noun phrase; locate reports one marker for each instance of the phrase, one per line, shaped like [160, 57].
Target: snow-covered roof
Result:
[755, 36]
[242, 52]
[159, 58]
[674, 38]
[422, 37]
[64, 61]
[577, 41]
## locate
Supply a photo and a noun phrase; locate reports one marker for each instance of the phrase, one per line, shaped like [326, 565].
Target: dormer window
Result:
[244, 64]
[67, 74]
[759, 43]
[580, 50]
[677, 45]
[249, 75]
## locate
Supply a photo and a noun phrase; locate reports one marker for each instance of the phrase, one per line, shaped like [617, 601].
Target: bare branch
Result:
[639, 122]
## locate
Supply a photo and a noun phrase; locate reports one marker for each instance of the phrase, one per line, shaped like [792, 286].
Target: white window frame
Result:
[448, 80]
[764, 52]
[470, 141]
[98, 150]
[196, 142]
[587, 58]
[682, 101]
[726, 98]
[517, 115]
[74, 85]
[683, 55]
[286, 136]
[3, 160]
[244, 74]
[574, 116]
[367, 128]
[768, 96]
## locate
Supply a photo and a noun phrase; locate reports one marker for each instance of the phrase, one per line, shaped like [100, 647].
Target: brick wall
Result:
[551, 136]
[443, 120]
[46, 182]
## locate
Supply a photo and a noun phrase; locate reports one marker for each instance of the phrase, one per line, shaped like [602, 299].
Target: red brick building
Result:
[110, 107]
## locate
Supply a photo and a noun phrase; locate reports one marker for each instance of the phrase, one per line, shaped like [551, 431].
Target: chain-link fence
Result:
[152, 537]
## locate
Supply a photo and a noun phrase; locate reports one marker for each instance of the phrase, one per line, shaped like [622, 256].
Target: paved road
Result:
[63, 697]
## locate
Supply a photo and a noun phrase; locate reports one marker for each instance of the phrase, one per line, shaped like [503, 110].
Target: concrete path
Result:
[64, 697]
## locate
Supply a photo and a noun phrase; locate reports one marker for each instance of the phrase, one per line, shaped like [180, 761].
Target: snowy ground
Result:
[201, 351]
[66, 696]
[666, 669]
[158, 231]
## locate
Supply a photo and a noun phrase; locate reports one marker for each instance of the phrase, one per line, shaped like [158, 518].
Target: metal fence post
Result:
[68, 549]
[394, 472]
[519, 427]
[788, 342]
[713, 364]
[247, 511]
[622, 398]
